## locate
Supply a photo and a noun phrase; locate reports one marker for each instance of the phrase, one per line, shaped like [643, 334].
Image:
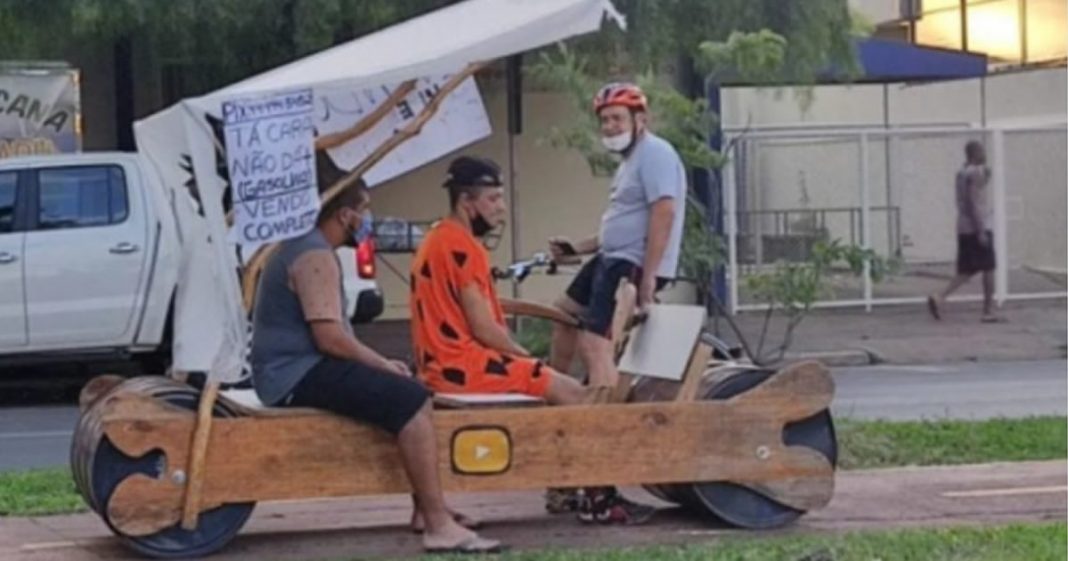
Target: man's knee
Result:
[421, 416]
[594, 345]
[565, 303]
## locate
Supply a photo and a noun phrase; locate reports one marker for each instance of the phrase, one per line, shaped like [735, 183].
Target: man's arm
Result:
[484, 328]
[661, 219]
[315, 278]
[582, 247]
[588, 245]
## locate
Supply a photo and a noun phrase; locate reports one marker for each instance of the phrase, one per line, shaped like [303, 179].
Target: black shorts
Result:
[359, 392]
[972, 256]
[594, 288]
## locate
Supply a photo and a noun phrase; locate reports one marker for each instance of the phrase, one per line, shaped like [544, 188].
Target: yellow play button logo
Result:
[481, 451]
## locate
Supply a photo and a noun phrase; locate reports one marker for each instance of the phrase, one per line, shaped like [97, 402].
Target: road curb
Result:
[854, 357]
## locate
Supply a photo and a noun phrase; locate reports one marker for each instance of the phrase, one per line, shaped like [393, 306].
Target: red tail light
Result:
[365, 259]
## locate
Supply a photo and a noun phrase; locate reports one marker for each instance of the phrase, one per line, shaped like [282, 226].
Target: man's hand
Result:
[558, 248]
[646, 293]
[401, 368]
[984, 239]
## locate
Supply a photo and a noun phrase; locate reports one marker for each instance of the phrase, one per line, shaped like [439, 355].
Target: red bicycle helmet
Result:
[620, 93]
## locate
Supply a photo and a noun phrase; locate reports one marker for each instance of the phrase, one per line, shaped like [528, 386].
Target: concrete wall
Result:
[877, 11]
[913, 171]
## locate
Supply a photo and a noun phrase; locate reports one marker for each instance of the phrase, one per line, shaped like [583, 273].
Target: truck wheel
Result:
[99, 467]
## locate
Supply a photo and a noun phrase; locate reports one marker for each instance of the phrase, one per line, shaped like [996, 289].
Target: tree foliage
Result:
[230, 39]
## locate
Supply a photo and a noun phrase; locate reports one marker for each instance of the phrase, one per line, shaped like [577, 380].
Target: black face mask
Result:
[479, 226]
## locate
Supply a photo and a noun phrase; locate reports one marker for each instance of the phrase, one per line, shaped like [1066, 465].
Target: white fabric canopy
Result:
[211, 330]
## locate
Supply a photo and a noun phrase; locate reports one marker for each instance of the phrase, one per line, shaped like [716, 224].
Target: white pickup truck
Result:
[87, 267]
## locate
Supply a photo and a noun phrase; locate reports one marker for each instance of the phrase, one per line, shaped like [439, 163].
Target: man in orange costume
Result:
[461, 342]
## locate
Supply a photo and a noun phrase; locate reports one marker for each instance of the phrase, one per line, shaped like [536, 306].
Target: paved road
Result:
[374, 527]
[960, 391]
[39, 436]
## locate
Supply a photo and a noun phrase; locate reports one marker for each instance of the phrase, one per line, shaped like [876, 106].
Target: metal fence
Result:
[892, 190]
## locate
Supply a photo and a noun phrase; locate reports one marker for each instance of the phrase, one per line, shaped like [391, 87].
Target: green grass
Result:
[38, 493]
[1044, 542]
[888, 444]
[861, 444]
[535, 335]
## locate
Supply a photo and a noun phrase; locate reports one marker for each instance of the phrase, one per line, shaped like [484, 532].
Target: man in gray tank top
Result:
[304, 354]
[975, 238]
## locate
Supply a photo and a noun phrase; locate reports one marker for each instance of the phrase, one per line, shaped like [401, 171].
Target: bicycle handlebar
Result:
[519, 270]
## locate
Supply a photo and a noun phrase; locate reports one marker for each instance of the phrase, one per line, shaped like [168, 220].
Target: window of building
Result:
[1008, 31]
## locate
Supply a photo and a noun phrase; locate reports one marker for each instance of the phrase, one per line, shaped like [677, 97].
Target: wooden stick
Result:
[626, 300]
[534, 309]
[333, 140]
[198, 453]
[412, 129]
[691, 381]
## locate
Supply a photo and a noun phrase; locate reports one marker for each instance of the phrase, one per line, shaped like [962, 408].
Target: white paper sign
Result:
[269, 150]
[460, 120]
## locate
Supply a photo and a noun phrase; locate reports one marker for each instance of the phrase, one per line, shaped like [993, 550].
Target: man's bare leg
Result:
[957, 282]
[597, 352]
[564, 390]
[936, 301]
[564, 338]
[988, 296]
[418, 447]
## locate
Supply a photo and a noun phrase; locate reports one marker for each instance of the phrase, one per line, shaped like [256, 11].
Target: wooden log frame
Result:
[534, 309]
[301, 453]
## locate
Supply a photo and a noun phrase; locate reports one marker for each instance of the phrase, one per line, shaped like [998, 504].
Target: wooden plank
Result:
[198, 451]
[691, 381]
[309, 454]
[534, 309]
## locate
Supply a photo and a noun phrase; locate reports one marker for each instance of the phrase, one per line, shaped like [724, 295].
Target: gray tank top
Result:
[283, 349]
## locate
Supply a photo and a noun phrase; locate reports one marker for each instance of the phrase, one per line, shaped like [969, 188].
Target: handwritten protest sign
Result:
[270, 157]
[460, 120]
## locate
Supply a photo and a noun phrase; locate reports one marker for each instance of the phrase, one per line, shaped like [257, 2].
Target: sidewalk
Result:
[1035, 330]
[373, 527]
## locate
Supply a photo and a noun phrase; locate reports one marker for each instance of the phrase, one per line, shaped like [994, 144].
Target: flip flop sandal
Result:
[460, 518]
[471, 546]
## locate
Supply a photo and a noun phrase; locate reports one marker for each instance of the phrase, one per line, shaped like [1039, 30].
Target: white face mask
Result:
[619, 142]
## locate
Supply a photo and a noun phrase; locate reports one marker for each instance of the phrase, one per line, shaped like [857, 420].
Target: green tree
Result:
[737, 41]
[227, 39]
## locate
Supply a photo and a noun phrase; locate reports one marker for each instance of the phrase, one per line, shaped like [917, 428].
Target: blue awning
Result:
[884, 60]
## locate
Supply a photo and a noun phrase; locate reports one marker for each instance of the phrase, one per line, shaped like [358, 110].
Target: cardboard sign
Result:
[270, 157]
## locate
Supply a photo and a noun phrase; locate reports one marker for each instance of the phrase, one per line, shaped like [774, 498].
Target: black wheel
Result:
[735, 504]
[99, 468]
[742, 506]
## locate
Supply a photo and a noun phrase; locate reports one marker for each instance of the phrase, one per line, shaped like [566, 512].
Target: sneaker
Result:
[609, 507]
[561, 501]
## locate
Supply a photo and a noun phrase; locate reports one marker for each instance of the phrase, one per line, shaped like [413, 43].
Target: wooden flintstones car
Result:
[175, 471]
